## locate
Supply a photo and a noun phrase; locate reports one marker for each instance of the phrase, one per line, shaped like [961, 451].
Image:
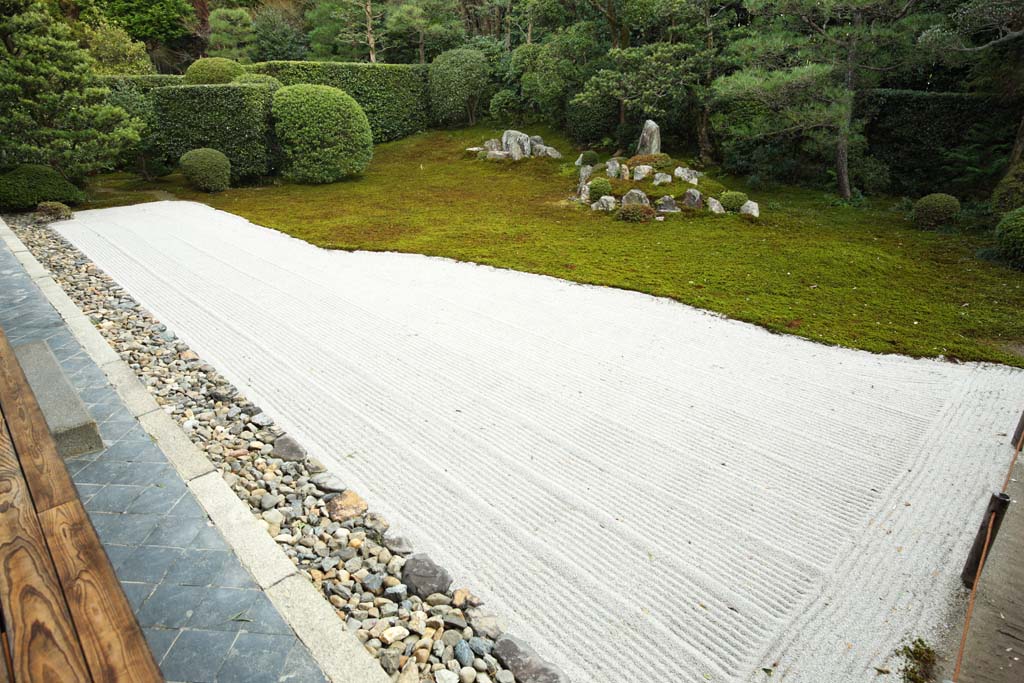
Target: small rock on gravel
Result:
[424, 577]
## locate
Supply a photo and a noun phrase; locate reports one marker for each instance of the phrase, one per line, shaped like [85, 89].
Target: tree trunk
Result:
[423, 52]
[370, 43]
[622, 112]
[1017, 155]
[843, 134]
[508, 27]
[707, 149]
[529, 32]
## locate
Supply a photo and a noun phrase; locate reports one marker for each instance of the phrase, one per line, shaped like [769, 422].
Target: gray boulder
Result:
[687, 174]
[635, 196]
[666, 205]
[624, 172]
[715, 206]
[579, 160]
[536, 139]
[650, 139]
[662, 179]
[517, 144]
[493, 145]
[524, 663]
[750, 208]
[498, 155]
[546, 151]
[585, 173]
[423, 577]
[605, 203]
[612, 168]
[475, 150]
[288, 449]
[641, 172]
[693, 199]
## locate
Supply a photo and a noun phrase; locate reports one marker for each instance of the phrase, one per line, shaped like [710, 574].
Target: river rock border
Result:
[399, 604]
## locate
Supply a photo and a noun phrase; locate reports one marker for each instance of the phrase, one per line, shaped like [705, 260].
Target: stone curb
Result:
[337, 651]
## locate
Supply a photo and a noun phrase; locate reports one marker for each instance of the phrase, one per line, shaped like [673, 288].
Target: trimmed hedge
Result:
[29, 185]
[599, 187]
[206, 169]
[212, 70]
[1009, 193]
[259, 79]
[1010, 236]
[323, 133]
[913, 131]
[233, 119]
[936, 211]
[395, 97]
[732, 201]
[144, 83]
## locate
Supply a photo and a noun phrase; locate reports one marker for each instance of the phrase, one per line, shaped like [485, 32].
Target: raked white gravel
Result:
[646, 491]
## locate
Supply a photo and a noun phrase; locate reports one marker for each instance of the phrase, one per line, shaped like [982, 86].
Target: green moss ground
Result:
[860, 277]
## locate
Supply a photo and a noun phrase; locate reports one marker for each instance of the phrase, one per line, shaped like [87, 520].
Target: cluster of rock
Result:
[400, 605]
[615, 169]
[515, 145]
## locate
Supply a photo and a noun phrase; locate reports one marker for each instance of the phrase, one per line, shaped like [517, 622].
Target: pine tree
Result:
[231, 34]
[51, 112]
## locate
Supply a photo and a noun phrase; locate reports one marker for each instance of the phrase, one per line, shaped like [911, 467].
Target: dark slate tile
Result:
[116, 429]
[123, 529]
[225, 609]
[173, 531]
[160, 641]
[196, 656]
[256, 658]
[101, 472]
[234, 575]
[117, 553]
[136, 593]
[197, 567]
[132, 450]
[148, 563]
[87, 491]
[187, 508]
[300, 667]
[265, 618]
[113, 498]
[158, 499]
[170, 606]
[209, 539]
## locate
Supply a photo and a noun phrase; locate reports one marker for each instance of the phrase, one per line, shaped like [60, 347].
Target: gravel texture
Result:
[401, 606]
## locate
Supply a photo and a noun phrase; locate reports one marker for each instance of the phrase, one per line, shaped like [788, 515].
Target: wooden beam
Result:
[114, 646]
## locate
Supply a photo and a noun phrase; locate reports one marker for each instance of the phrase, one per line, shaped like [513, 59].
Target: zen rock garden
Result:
[514, 146]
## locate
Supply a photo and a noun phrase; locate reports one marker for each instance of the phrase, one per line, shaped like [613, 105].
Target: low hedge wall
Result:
[144, 82]
[395, 97]
[231, 118]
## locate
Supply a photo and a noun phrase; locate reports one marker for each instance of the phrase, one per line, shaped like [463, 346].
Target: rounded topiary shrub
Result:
[52, 211]
[636, 213]
[936, 210]
[259, 79]
[588, 158]
[206, 169]
[324, 134]
[1009, 192]
[458, 78]
[732, 201]
[23, 188]
[1010, 236]
[599, 187]
[212, 70]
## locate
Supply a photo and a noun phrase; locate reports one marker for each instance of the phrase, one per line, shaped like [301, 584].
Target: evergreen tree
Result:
[50, 110]
[276, 36]
[429, 21]
[114, 51]
[231, 35]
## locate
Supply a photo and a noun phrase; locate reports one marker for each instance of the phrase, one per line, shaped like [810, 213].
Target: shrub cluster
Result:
[324, 133]
[1009, 193]
[636, 213]
[232, 118]
[588, 158]
[206, 169]
[599, 187]
[25, 187]
[591, 122]
[212, 70]
[143, 82]
[53, 211]
[458, 79]
[659, 162]
[732, 201]
[395, 97]
[935, 211]
[1010, 236]
[259, 79]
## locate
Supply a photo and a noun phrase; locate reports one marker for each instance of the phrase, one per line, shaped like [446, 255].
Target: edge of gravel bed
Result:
[304, 606]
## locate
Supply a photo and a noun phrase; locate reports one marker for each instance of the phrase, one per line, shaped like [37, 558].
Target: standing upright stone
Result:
[611, 169]
[650, 139]
[517, 144]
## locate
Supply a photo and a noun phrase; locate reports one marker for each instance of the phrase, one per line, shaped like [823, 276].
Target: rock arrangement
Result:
[400, 605]
[650, 139]
[515, 145]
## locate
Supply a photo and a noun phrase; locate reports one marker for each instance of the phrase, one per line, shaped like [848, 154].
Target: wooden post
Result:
[997, 504]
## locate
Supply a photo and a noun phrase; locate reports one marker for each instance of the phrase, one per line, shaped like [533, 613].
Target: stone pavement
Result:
[204, 617]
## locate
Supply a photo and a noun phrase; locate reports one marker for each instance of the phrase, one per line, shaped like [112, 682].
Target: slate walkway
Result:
[203, 616]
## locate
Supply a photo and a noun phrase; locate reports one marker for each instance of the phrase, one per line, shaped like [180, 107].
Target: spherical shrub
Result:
[324, 133]
[458, 78]
[935, 211]
[599, 187]
[732, 201]
[1010, 236]
[212, 70]
[1009, 192]
[636, 213]
[206, 169]
[588, 158]
[26, 186]
[659, 162]
[52, 211]
[259, 79]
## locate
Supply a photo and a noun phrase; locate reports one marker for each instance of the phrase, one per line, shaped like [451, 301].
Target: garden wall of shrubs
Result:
[395, 97]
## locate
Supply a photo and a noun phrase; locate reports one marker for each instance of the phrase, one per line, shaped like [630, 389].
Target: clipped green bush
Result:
[395, 97]
[732, 201]
[588, 122]
[599, 187]
[636, 213]
[206, 169]
[1009, 192]
[212, 70]
[52, 211]
[259, 79]
[458, 78]
[324, 134]
[936, 210]
[1010, 236]
[233, 118]
[707, 186]
[25, 187]
[144, 82]
[588, 158]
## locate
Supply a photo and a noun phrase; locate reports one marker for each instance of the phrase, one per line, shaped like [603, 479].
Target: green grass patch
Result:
[861, 277]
